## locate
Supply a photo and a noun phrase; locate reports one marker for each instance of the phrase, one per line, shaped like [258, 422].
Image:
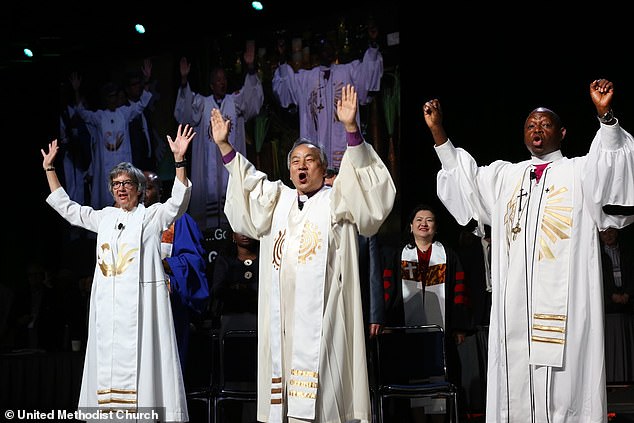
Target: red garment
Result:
[539, 170]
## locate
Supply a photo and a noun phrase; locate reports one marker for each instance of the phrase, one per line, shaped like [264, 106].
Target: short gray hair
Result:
[136, 175]
[301, 141]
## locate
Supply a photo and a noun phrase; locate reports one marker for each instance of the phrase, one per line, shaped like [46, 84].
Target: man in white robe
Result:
[311, 342]
[316, 91]
[208, 175]
[546, 359]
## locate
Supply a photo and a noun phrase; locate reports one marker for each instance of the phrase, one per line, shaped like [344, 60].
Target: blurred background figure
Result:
[235, 283]
[618, 291]
[331, 174]
[208, 173]
[146, 144]
[315, 91]
[112, 135]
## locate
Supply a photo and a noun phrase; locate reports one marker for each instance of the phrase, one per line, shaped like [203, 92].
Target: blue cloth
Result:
[188, 280]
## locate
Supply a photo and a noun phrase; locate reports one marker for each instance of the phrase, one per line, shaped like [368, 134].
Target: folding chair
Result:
[411, 363]
[237, 378]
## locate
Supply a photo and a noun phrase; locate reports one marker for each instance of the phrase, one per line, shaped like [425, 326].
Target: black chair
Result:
[199, 376]
[411, 363]
[237, 376]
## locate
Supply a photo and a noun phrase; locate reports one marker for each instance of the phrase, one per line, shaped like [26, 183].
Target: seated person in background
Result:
[235, 279]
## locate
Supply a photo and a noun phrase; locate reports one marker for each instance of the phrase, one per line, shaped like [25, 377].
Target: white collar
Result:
[547, 158]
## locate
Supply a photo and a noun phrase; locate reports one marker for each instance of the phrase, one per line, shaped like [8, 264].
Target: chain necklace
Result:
[520, 211]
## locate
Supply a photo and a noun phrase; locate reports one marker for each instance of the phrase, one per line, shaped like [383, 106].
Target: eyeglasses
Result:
[125, 184]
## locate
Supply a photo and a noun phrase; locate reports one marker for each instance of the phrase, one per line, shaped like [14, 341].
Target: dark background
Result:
[488, 65]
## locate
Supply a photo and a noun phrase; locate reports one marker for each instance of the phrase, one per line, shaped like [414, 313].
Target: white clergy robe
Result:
[207, 170]
[316, 91]
[359, 202]
[111, 144]
[546, 359]
[132, 357]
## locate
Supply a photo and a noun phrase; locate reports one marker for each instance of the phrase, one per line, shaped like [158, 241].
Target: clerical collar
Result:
[547, 158]
[302, 198]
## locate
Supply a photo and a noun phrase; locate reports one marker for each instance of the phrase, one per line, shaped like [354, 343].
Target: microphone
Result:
[121, 226]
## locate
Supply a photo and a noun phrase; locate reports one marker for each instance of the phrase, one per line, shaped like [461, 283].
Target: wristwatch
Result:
[607, 117]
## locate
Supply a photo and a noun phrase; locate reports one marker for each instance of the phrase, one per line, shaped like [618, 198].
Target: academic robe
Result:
[359, 202]
[315, 93]
[546, 357]
[131, 353]
[442, 300]
[207, 172]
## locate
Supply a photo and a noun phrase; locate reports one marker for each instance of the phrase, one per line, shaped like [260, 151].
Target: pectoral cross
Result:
[517, 229]
[520, 195]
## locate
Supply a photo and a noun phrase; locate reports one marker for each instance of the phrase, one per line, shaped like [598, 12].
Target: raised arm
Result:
[179, 146]
[433, 117]
[347, 108]
[220, 128]
[601, 92]
[184, 67]
[48, 158]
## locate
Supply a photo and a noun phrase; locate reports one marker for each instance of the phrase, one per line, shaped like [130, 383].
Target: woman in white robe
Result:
[132, 363]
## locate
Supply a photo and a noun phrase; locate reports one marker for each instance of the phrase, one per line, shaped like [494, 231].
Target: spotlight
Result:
[257, 5]
[139, 28]
[28, 52]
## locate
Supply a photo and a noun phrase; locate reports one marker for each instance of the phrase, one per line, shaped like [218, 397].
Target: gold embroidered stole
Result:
[551, 257]
[302, 382]
[116, 303]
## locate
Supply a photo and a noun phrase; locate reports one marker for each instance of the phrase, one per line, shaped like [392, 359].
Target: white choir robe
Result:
[131, 353]
[110, 128]
[359, 202]
[316, 97]
[207, 170]
[547, 282]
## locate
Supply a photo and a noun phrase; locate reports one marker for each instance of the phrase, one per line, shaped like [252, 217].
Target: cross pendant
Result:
[516, 230]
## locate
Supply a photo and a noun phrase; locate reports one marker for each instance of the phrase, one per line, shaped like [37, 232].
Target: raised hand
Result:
[347, 108]
[432, 113]
[220, 127]
[75, 80]
[601, 91]
[179, 146]
[433, 117]
[48, 157]
[147, 69]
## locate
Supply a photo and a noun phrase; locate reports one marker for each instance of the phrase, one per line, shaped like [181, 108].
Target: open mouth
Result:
[302, 177]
